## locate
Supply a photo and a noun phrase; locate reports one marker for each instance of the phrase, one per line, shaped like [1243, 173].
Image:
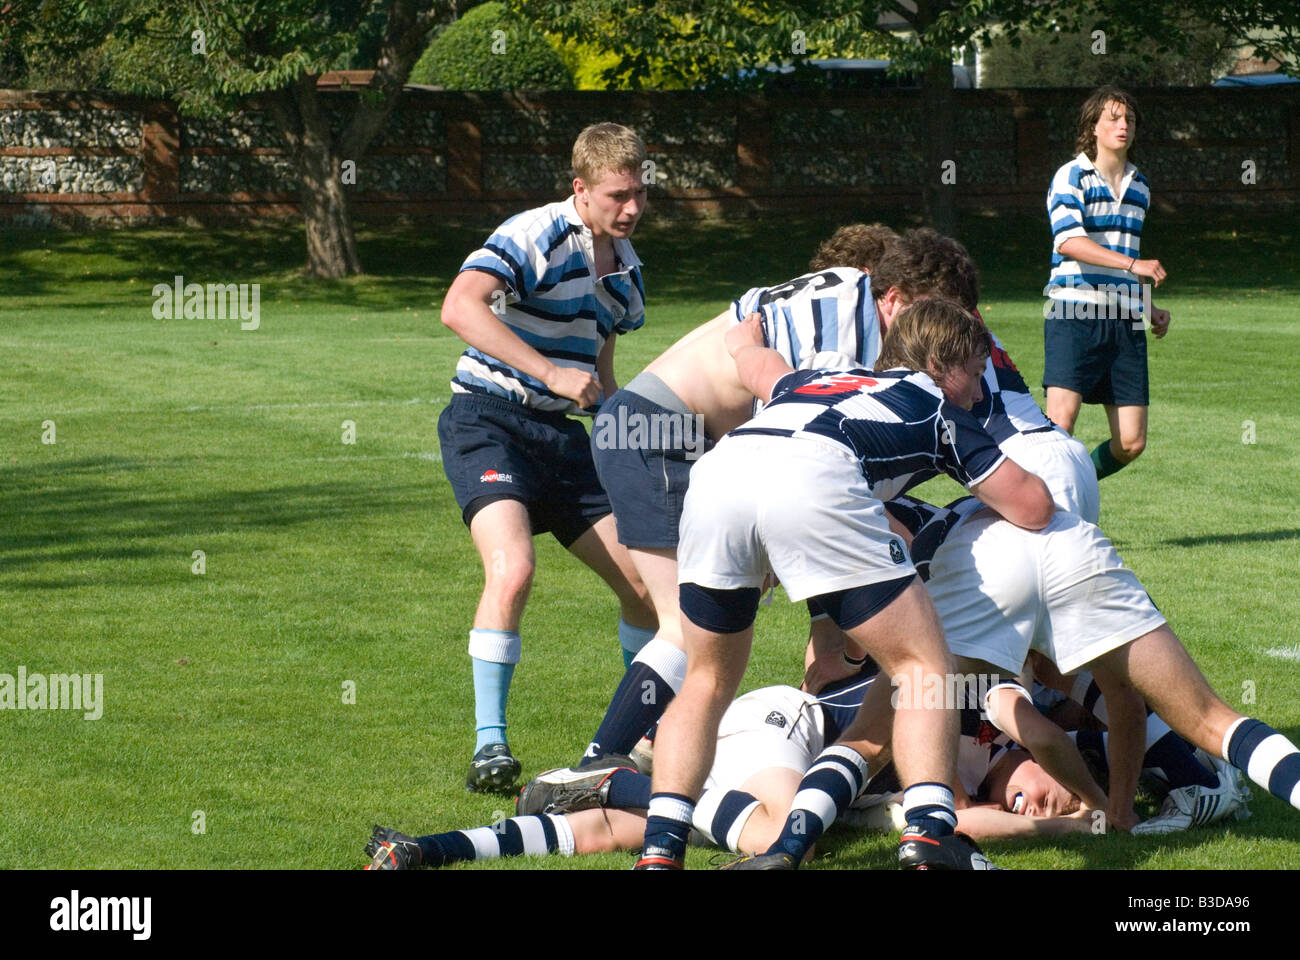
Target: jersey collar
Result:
[627, 257]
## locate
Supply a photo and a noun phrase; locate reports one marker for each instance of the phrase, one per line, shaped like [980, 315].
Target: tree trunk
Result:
[942, 177]
[331, 241]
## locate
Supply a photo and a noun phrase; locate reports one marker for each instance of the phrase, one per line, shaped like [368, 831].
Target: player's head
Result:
[1032, 791]
[920, 264]
[1109, 117]
[941, 338]
[857, 245]
[608, 180]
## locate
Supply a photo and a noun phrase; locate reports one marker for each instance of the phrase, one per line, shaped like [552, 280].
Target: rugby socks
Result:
[1105, 461]
[721, 816]
[518, 836]
[930, 805]
[667, 825]
[825, 792]
[494, 653]
[632, 639]
[643, 695]
[1267, 757]
[629, 790]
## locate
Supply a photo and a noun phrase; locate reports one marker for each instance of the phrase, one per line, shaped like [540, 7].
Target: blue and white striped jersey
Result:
[896, 423]
[1080, 203]
[1007, 407]
[553, 302]
[822, 321]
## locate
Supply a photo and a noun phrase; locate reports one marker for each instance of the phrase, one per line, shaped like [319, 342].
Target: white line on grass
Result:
[1285, 653]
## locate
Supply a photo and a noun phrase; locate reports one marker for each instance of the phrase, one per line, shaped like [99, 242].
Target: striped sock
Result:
[531, 836]
[642, 697]
[667, 825]
[827, 789]
[930, 805]
[1267, 757]
[721, 815]
[632, 639]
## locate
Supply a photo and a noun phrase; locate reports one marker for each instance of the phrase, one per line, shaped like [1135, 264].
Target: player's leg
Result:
[1128, 433]
[599, 549]
[502, 535]
[1165, 674]
[687, 738]
[1063, 407]
[656, 673]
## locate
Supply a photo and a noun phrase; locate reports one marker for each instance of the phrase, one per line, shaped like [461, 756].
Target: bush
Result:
[1061, 59]
[471, 54]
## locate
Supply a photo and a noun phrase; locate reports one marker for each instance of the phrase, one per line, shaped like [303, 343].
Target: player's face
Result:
[961, 385]
[613, 205]
[1033, 792]
[1116, 128]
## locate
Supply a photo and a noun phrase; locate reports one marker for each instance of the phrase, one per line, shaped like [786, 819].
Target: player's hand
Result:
[1125, 819]
[1150, 269]
[824, 670]
[1159, 322]
[578, 385]
[747, 333]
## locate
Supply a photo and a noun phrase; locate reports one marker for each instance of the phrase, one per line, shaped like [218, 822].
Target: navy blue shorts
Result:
[1104, 360]
[495, 449]
[643, 453]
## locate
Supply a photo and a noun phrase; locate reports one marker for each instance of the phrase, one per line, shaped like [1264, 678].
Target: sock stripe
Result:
[671, 806]
[548, 832]
[665, 660]
[532, 835]
[486, 845]
[510, 838]
[1286, 771]
[564, 843]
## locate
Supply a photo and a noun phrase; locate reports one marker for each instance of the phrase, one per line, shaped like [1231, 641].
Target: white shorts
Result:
[798, 507]
[1064, 465]
[1063, 591]
[770, 727]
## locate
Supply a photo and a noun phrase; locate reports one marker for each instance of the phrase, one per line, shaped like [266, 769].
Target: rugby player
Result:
[797, 490]
[539, 305]
[1065, 594]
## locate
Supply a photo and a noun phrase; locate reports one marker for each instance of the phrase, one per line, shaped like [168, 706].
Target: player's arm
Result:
[1011, 711]
[1017, 494]
[757, 366]
[990, 823]
[467, 312]
[1089, 251]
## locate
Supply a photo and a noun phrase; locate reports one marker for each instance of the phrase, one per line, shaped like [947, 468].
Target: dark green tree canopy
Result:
[492, 48]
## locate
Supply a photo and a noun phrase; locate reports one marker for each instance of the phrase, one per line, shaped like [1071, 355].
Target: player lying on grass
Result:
[833, 317]
[797, 491]
[1065, 593]
[766, 740]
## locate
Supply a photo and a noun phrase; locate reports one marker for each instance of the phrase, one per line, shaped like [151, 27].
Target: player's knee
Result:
[508, 576]
[1131, 447]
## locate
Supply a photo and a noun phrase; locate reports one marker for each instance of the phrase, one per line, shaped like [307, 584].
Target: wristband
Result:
[1129, 268]
[852, 662]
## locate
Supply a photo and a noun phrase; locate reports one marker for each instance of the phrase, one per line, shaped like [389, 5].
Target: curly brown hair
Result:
[1086, 140]
[854, 245]
[925, 263]
[939, 333]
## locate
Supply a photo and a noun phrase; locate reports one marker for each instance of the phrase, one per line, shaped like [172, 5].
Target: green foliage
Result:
[491, 48]
[1060, 58]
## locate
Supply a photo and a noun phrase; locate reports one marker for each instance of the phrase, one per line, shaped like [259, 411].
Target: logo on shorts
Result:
[491, 476]
[775, 719]
[896, 551]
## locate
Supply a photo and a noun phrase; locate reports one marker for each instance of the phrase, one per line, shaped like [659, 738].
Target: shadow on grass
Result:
[74, 518]
[1256, 536]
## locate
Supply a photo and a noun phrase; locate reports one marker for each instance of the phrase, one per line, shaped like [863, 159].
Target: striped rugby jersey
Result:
[1080, 203]
[929, 525]
[553, 302]
[824, 320]
[1007, 408]
[896, 423]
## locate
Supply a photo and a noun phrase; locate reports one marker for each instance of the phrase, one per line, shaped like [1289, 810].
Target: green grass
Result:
[329, 562]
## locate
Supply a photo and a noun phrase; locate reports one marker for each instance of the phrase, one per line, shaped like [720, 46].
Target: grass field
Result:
[331, 564]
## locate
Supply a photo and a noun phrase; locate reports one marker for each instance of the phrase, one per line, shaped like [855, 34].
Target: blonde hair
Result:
[855, 245]
[606, 148]
[938, 332]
